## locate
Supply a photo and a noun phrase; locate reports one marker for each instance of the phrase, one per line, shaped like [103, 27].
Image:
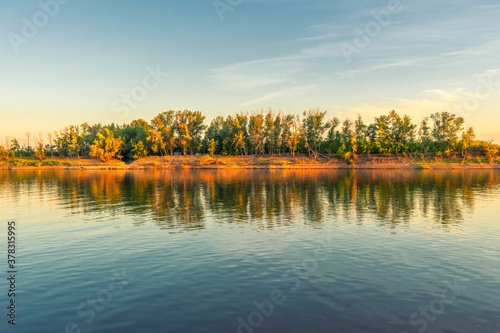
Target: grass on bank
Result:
[70, 162]
[243, 161]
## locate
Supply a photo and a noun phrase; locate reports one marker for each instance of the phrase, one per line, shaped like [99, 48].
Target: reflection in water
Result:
[186, 200]
[388, 242]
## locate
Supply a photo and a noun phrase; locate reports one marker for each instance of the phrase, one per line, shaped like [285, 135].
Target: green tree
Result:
[216, 132]
[269, 131]
[424, 134]
[138, 150]
[292, 133]
[446, 130]
[467, 140]
[74, 140]
[360, 133]
[333, 139]
[256, 132]
[15, 147]
[277, 133]
[314, 127]
[348, 135]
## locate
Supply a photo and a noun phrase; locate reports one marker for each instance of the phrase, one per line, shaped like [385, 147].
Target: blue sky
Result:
[428, 57]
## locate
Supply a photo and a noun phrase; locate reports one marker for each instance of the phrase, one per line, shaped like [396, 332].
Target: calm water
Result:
[254, 251]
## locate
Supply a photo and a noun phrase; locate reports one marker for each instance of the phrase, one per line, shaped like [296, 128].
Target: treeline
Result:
[255, 133]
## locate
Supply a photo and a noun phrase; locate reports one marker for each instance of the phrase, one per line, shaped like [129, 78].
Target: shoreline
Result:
[252, 162]
[439, 166]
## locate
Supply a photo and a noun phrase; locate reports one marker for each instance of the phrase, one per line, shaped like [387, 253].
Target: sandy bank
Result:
[252, 162]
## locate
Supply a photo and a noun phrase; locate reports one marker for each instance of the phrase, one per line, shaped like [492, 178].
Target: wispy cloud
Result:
[453, 39]
[393, 63]
[255, 74]
[295, 91]
[427, 102]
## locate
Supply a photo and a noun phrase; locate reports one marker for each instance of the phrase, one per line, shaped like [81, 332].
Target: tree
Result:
[349, 142]
[50, 145]
[162, 132]
[277, 134]
[196, 128]
[255, 128]
[69, 141]
[156, 140]
[446, 130]
[384, 139]
[105, 146]
[394, 134]
[184, 136]
[403, 132]
[6, 150]
[4, 153]
[362, 145]
[216, 131]
[75, 140]
[39, 147]
[468, 137]
[269, 131]
[239, 133]
[190, 127]
[333, 140]
[212, 146]
[424, 134]
[293, 132]
[28, 136]
[15, 147]
[239, 141]
[135, 140]
[138, 150]
[314, 127]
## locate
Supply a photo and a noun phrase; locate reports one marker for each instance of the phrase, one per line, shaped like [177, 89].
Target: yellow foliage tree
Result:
[105, 146]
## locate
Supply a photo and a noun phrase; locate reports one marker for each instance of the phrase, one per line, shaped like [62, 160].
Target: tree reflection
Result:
[183, 200]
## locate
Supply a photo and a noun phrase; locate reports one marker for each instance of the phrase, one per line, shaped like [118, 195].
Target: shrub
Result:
[4, 153]
[483, 148]
[50, 163]
[207, 160]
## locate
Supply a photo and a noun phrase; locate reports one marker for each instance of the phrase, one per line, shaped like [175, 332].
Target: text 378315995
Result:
[11, 271]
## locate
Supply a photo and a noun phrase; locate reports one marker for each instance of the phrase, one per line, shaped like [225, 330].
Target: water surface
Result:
[255, 251]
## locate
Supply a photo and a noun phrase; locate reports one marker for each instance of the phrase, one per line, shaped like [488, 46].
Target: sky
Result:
[68, 62]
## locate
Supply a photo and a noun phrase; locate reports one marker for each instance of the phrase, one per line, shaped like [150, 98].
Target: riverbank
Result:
[255, 162]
